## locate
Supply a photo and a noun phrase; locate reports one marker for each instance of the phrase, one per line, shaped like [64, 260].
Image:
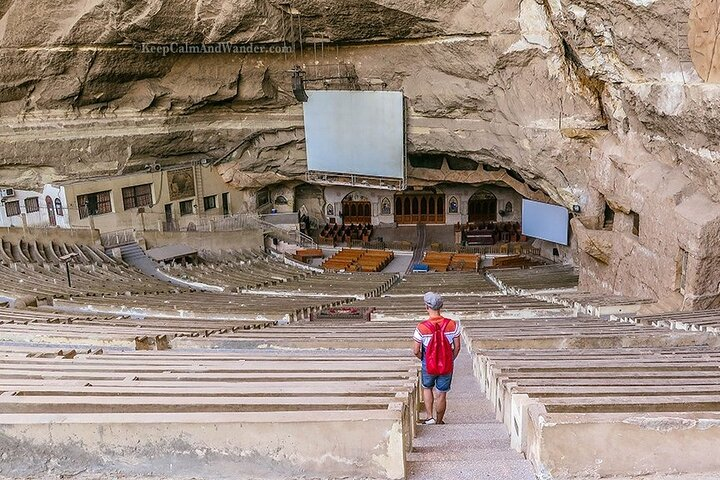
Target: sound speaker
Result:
[298, 87]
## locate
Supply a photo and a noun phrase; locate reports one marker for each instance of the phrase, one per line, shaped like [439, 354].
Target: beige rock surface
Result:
[577, 101]
[704, 38]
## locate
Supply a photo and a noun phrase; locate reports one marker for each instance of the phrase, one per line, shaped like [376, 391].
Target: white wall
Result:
[41, 218]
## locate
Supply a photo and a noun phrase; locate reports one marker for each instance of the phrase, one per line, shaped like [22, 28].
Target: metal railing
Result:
[118, 238]
[290, 236]
[242, 221]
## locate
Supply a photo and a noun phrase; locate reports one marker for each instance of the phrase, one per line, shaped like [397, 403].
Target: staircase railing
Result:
[118, 238]
[291, 236]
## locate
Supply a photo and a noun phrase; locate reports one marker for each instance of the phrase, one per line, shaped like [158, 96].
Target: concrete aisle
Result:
[471, 444]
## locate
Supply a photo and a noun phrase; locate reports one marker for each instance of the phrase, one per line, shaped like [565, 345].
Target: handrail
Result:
[117, 238]
[294, 236]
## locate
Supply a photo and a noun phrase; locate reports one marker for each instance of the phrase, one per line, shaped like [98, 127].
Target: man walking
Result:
[437, 344]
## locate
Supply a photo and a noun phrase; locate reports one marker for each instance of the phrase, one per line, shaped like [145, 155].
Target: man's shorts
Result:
[440, 382]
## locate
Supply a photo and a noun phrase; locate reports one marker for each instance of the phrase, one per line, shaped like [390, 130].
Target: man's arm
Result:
[456, 347]
[417, 349]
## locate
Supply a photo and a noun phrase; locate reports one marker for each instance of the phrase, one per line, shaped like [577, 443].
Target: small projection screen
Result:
[355, 132]
[545, 221]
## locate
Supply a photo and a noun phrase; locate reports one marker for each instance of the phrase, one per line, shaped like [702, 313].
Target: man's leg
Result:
[440, 404]
[428, 399]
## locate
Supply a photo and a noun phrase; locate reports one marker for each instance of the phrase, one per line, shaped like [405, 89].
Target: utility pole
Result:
[66, 259]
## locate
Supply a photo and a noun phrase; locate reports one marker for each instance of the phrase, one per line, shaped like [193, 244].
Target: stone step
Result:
[493, 466]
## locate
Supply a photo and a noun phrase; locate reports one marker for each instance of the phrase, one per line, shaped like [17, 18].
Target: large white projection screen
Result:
[545, 221]
[353, 132]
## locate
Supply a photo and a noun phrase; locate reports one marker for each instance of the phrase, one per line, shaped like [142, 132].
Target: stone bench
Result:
[375, 394]
[368, 443]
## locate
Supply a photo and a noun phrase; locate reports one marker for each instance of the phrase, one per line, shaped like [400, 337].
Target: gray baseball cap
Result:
[433, 300]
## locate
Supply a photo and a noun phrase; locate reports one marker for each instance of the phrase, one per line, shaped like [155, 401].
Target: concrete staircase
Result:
[472, 445]
[133, 255]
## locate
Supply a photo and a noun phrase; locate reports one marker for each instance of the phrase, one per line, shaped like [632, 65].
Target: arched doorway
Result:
[482, 207]
[420, 208]
[51, 210]
[356, 209]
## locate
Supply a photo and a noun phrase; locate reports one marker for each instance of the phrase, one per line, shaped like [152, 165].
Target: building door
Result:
[356, 211]
[420, 208]
[51, 210]
[482, 207]
[169, 225]
[225, 204]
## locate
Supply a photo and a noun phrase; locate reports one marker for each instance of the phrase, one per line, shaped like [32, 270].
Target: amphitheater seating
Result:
[43, 325]
[457, 307]
[237, 271]
[209, 306]
[364, 402]
[352, 260]
[518, 280]
[489, 233]
[307, 254]
[438, 261]
[704, 321]
[515, 261]
[333, 233]
[343, 259]
[444, 261]
[30, 281]
[595, 304]
[465, 262]
[356, 285]
[374, 260]
[556, 382]
[444, 283]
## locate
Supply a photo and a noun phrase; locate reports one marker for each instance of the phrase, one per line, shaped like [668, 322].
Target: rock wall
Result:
[588, 102]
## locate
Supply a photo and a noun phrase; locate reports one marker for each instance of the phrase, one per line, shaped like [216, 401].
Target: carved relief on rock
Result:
[704, 39]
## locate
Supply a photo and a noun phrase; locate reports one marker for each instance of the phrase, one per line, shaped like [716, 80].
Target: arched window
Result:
[508, 207]
[58, 207]
[385, 206]
[453, 205]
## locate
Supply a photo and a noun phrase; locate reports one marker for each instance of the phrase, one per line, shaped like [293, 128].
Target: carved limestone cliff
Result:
[587, 102]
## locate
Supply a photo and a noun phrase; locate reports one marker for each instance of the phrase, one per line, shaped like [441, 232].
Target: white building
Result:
[30, 208]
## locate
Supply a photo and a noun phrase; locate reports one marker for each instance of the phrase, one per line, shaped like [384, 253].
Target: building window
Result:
[385, 206]
[453, 205]
[32, 205]
[508, 207]
[137, 196]
[186, 207]
[58, 207]
[210, 202]
[97, 203]
[12, 208]
[262, 198]
[281, 200]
